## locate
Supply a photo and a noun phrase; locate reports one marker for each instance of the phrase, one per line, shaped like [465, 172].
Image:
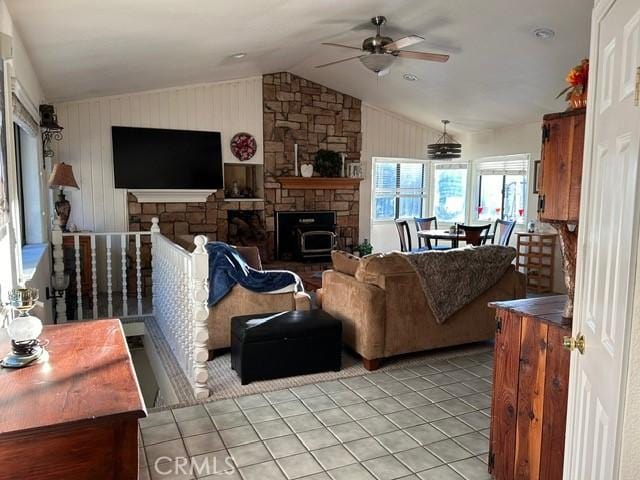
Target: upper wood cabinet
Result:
[561, 166]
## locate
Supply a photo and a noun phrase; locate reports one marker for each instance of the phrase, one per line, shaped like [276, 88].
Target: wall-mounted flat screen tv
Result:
[157, 158]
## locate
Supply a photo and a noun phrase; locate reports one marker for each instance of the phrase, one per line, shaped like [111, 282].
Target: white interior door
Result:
[608, 242]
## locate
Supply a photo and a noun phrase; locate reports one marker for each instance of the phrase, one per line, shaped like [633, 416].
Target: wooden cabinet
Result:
[73, 414]
[536, 259]
[530, 388]
[561, 166]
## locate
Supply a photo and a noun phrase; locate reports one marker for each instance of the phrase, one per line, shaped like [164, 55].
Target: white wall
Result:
[513, 140]
[22, 78]
[228, 107]
[386, 134]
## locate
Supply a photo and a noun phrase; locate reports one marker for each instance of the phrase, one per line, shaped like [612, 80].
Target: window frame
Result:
[524, 159]
[425, 190]
[457, 165]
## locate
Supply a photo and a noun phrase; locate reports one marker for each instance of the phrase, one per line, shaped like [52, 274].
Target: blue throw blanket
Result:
[227, 267]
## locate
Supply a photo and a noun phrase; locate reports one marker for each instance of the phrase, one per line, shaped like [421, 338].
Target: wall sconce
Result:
[50, 129]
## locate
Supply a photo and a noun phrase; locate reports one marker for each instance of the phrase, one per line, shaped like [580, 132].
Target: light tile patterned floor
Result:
[429, 423]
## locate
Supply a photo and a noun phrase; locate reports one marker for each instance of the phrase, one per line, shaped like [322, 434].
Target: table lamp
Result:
[62, 177]
[23, 330]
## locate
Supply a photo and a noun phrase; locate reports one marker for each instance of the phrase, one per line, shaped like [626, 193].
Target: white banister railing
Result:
[179, 284]
[180, 292]
[97, 252]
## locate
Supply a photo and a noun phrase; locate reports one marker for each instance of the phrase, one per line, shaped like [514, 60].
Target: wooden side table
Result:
[536, 259]
[73, 414]
[530, 389]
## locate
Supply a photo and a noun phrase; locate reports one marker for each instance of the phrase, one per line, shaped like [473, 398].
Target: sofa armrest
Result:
[302, 301]
[241, 301]
[360, 307]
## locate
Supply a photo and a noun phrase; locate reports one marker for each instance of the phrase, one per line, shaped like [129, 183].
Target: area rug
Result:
[224, 383]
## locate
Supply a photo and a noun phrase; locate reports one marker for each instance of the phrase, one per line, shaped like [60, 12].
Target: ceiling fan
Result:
[379, 52]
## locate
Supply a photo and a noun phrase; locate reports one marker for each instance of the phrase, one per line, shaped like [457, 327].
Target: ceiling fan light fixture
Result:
[445, 148]
[378, 63]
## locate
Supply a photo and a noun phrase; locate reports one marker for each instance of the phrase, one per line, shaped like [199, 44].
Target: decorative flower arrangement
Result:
[577, 80]
[243, 146]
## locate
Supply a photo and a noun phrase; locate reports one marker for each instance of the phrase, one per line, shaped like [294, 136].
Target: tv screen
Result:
[157, 158]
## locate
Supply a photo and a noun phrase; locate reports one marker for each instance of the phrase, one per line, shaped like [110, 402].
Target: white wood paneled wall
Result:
[227, 107]
[386, 134]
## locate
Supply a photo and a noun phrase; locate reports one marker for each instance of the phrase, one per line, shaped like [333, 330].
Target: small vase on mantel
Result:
[306, 170]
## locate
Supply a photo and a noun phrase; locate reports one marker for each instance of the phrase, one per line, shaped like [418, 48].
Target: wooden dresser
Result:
[530, 387]
[73, 415]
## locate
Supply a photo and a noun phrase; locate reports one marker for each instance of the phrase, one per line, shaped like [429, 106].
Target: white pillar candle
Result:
[295, 159]
[344, 156]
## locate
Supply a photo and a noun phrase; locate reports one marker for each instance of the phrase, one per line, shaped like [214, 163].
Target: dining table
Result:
[446, 234]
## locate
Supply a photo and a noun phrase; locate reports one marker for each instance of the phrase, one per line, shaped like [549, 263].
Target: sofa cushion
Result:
[374, 268]
[344, 262]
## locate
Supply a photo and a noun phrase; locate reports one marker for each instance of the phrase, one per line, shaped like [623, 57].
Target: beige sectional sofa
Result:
[384, 311]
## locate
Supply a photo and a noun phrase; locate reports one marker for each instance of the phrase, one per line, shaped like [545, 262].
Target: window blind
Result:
[451, 166]
[508, 165]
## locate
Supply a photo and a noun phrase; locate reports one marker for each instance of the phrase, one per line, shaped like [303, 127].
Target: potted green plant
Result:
[364, 248]
[328, 163]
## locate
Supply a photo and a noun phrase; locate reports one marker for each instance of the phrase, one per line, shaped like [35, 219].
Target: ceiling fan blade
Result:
[338, 61]
[432, 57]
[403, 42]
[341, 46]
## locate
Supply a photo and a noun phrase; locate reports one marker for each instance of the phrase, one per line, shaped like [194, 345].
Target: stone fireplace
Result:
[295, 111]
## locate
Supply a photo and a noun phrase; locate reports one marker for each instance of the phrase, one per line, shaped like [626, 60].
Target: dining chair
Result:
[404, 234]
[429, 223]
[475, 235]
[502, 232]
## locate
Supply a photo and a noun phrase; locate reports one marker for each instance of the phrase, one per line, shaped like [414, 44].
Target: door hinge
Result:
[546, 132]
[498, 325]
[637, 98]
[541, 200]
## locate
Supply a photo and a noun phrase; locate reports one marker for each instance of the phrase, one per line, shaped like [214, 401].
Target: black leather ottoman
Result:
[283, 344]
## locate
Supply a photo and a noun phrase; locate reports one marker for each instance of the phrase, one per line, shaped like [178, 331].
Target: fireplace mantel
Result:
[319, 183]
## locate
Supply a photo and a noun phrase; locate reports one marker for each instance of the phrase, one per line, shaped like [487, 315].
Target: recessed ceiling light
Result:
[410, 77]
[239, 55]
[544, 33]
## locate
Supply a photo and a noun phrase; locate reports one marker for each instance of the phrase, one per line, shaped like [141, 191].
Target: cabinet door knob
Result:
[572, 344]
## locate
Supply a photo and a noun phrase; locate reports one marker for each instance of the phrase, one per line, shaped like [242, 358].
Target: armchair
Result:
[241, 301]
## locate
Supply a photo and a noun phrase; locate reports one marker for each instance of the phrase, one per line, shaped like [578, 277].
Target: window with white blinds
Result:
[502, 186]
[450, 192]
[399, 189]
[508, 165]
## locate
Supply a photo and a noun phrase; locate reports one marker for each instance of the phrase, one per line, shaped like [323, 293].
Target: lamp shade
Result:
[379, 63]
[62, 177]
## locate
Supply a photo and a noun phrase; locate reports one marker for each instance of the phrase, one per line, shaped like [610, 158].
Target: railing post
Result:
[155, 228]
[58, 270]
[200, 294]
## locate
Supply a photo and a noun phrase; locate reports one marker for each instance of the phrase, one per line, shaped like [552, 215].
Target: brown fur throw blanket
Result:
[451, 279]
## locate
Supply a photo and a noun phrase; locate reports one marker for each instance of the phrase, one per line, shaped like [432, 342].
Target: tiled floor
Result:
[429, 423]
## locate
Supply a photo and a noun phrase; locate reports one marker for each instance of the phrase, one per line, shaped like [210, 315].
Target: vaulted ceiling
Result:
[499, 72]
